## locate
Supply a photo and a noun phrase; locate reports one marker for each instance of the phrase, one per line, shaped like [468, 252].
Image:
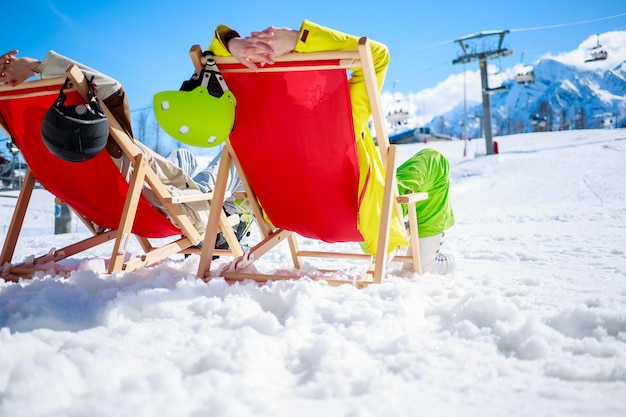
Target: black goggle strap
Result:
[211, 78]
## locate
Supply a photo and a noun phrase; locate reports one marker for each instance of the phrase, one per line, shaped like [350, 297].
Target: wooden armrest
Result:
[412, 197]
[240, 195]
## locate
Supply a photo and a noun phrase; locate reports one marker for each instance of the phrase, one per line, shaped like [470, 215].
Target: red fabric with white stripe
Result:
[93, 188]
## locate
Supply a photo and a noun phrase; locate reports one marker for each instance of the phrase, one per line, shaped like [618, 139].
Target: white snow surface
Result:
[532, 323]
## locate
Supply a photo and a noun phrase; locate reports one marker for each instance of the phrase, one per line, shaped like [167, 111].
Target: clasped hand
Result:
[262, 46]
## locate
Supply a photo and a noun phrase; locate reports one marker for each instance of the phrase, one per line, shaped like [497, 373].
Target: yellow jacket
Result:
[315, 38]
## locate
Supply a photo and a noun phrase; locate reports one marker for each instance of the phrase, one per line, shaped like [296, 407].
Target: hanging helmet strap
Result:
[211, 78]
[93, 98]
[60, 101]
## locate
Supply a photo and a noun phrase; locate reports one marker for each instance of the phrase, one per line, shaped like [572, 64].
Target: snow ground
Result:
[532, 323]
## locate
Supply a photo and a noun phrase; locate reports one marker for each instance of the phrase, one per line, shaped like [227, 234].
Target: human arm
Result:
[227, 41]
[262, 46]
[18, 69]
[312, 37]
[315, 38]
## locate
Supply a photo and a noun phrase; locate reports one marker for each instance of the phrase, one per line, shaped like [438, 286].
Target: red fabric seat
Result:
[321, 178]
[93, 188]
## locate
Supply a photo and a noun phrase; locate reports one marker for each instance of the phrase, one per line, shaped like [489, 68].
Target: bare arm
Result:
[251, 50]
[280, 40]
[261, 46]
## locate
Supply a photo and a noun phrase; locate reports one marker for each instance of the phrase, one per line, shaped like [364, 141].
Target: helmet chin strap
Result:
[94, 103]
[211, 77]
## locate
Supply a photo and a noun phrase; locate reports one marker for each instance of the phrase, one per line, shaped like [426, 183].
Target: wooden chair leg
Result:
[414, 239]
[128, 215]
[17, 220]
[216, 216]
[385, 217]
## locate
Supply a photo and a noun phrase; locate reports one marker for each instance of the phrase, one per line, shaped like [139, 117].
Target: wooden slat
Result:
[33, 88]
[412, 197]
[262, 278]
[334, 255]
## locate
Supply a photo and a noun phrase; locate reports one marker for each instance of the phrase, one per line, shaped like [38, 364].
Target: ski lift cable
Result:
[559, 25]
[568, 24]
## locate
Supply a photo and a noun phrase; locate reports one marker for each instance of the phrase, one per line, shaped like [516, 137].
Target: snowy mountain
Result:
[565, 95]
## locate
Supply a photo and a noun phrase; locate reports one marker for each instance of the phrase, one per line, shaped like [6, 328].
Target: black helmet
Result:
[75, 133]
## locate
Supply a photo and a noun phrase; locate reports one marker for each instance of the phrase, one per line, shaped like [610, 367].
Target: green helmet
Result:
[202, 114]
[196, 117]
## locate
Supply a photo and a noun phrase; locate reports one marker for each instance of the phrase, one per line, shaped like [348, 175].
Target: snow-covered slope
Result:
[533, 322]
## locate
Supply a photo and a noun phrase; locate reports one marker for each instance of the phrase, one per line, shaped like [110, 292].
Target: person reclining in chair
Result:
[178, 171]
[427, 170]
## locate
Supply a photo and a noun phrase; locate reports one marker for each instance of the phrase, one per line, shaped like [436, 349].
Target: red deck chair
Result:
[94, 189]
[294, 147]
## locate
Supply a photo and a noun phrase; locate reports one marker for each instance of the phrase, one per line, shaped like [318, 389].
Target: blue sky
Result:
[144, 44]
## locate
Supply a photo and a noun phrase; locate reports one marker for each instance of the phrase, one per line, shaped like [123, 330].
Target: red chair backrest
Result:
[94, 188]
[294, 137]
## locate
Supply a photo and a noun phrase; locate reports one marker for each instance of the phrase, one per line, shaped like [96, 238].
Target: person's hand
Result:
[280, 40]
[250, 50]
[14, 70]
[5, 61]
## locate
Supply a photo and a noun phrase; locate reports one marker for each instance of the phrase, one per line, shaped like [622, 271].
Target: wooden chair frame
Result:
[272, 236]
[142, 173]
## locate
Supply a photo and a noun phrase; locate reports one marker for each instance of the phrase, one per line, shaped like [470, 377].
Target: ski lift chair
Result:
[526, 77]
[597, 53]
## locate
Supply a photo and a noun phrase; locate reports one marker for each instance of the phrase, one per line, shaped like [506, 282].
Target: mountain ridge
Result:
[562, 97]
